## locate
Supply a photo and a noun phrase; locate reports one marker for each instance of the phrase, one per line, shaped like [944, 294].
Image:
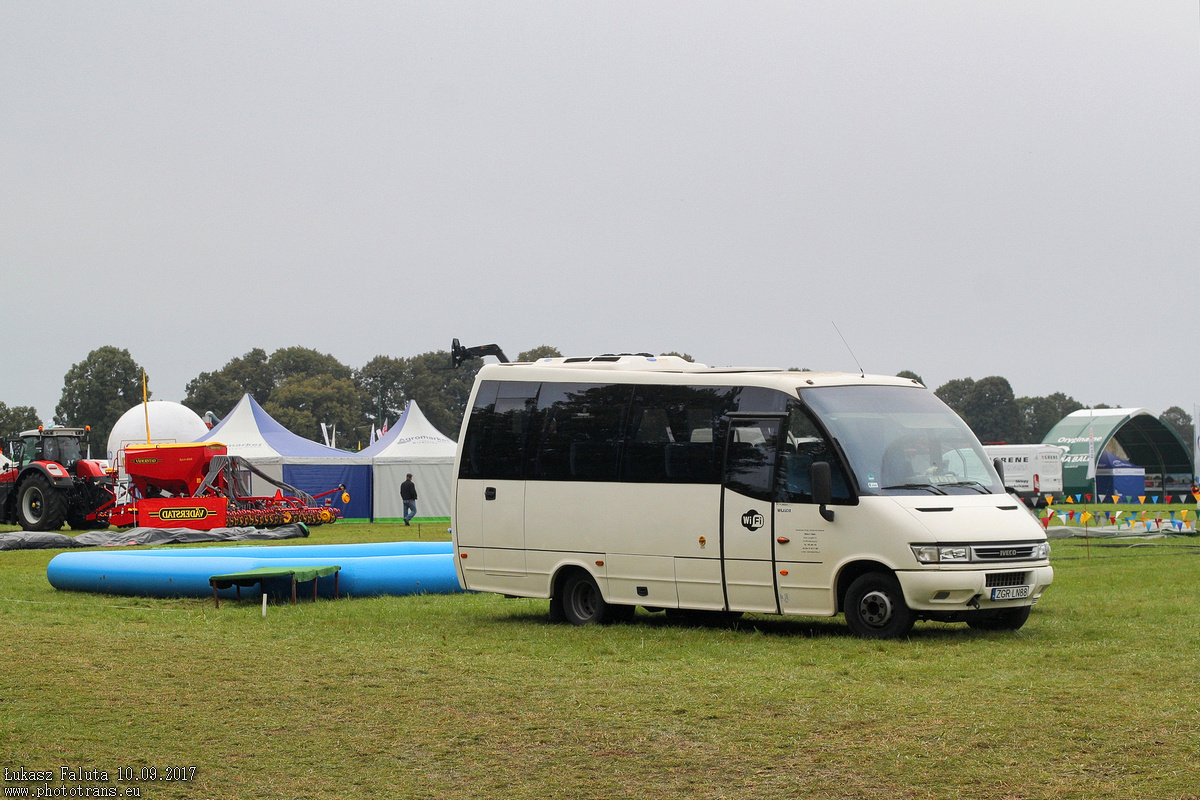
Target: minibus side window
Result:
[673, 434]
[806, 444]
[494, 446]
[582, 427]
[750, 457]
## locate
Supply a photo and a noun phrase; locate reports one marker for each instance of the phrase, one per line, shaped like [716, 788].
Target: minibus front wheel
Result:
[875, 607]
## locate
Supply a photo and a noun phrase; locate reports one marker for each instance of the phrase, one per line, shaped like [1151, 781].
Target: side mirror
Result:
[822, 488]
[999, 465]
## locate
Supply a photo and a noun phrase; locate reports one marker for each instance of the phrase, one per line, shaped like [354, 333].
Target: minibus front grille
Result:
[1007, 552]
[1005, 579]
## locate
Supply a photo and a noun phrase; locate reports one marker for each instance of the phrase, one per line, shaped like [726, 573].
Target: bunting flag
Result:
[1142, 499]
[1050, 499]
[1116, 499]
[1085, 516]
[1170, 499]
[1089, 497]
[1069, 500]
[1183, 514]
[1196, 495]
[1078, 498]
[1117, 514]
[1046, 523]
[1155, 499]
[1071, 516]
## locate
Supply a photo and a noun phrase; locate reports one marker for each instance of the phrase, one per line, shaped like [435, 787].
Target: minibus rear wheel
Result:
[582, 603]
[875, 607]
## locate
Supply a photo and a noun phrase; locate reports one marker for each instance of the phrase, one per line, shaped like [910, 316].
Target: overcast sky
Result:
[966, 188]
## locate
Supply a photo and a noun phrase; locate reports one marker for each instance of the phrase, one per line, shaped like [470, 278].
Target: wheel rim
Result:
[875, 609]
[33, 504]
[583, 600]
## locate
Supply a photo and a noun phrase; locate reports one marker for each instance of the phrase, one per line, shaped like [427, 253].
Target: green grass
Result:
[475, 696]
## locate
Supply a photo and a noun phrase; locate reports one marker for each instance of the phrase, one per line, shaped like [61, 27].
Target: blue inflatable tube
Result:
[366, 570]
[298, 550]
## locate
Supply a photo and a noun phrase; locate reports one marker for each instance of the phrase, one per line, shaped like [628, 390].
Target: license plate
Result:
[1010, 592]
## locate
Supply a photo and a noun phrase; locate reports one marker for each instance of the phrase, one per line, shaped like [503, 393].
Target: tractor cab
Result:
[58, 445]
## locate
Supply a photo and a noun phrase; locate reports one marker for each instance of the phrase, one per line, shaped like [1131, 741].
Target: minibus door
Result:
[748, 513]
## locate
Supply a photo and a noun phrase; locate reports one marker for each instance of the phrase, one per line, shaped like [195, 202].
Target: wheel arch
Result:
[852, 571]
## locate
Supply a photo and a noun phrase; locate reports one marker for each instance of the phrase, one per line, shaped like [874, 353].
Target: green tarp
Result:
[253, 576]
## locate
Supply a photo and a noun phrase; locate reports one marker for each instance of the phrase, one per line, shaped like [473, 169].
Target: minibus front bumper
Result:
[968, 590]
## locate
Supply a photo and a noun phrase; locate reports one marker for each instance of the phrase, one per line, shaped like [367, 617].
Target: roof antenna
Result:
[861, 372]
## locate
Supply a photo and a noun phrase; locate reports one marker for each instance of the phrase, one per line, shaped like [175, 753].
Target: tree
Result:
[16, 419]
[97, 391]
[684, 356]
[220, 391]
[381, 384]
[1040, 414]
[253, 373]
[213, 391]
[991, 410]
[1181, 422]
[302, 403]
[954, 393]
[908, 373]
[440, 391]
[293, 362]
[541, 351]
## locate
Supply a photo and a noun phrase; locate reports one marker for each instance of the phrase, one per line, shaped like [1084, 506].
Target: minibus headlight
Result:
[932, 554]
[925, 553]
[1043, 550]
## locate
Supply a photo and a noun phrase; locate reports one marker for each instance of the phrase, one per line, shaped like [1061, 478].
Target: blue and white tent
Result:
[412, 445]
[250, 432]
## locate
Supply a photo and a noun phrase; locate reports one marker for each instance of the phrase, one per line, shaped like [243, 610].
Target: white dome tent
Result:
[170, 423]
[412, 445]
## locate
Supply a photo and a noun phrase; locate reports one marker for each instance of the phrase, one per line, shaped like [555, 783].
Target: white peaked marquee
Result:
[412, 445]
[250, 432]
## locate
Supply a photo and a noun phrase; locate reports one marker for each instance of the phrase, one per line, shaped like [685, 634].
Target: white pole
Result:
[264, 604]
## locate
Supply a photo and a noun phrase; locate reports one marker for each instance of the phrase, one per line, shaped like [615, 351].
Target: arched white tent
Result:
[412, 445]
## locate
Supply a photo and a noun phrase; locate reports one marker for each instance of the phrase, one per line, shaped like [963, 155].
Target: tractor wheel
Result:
[40, 506]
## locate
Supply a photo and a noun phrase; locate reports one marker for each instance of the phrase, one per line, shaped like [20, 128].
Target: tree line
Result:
[302, 388]
[995, 414]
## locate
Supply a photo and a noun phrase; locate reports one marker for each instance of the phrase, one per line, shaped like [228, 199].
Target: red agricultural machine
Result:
[196, 485]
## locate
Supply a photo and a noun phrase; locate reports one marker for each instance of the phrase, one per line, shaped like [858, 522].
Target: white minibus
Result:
[613, 482]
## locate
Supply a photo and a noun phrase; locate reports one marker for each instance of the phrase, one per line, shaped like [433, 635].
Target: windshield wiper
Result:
[976, 485]
[928, 486]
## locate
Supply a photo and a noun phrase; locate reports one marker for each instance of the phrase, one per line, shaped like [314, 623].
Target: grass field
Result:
[475, 696]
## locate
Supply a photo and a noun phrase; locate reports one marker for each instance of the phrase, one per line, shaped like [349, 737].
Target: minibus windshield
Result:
[902, 440]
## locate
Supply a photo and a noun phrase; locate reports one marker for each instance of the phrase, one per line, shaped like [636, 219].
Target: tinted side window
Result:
[497, 436]
[582, 427]
[750, 457]
[806, 444]
[675, 434]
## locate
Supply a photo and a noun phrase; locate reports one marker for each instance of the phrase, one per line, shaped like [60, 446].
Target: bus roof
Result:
[644, 368]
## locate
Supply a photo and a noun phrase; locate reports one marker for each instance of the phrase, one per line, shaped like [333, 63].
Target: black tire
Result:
[582, 603]
[875, 607]
[40, 506]
[1010, 619]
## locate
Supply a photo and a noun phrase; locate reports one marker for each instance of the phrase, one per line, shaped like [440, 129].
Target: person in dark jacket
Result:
[408, 493]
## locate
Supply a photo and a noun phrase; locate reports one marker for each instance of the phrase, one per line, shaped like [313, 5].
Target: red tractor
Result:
[50, 482]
